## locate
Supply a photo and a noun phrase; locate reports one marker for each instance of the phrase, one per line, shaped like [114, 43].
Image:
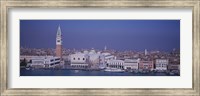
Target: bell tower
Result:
[59, 43]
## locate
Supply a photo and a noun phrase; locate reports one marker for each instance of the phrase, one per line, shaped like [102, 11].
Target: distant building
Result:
[44, 62]
[173, 66]
[131, 64]
[161, 64]
[146, 65]
[105, 48]
[93, 57]
[116, 64]
[145, 52]
[107, 56]
[28, 58]
[59, 43]
[85, 52]
[79, 60]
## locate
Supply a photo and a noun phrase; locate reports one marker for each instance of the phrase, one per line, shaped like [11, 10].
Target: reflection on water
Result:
[64, 72]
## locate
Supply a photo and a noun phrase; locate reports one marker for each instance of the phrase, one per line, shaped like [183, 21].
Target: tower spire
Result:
[105, 48]
[59, 31]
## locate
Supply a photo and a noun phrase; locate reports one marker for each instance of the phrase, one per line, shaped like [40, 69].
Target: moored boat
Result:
[113, 70]
[27, 68]
[76, 71]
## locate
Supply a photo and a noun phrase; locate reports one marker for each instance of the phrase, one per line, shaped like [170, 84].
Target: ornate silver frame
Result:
[5, 5]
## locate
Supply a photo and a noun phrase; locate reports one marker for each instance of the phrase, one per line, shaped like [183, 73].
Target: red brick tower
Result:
[59, 43]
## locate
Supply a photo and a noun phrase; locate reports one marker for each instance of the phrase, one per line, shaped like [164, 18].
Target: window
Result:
[83, 58]
[51, 60]
[57, 59]
[78, 58]
[74, 58]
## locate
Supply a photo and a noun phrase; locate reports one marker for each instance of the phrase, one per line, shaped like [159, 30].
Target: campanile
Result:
[59, 43]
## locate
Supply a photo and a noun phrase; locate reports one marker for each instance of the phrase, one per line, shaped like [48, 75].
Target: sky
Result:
[162, 35]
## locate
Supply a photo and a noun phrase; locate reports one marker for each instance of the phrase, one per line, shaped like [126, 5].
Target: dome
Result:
[92, 51]
[106, 54]
[85, 52]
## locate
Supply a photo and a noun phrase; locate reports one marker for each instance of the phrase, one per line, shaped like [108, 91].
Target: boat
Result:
[76, 71]
[113, 70]
[27, 68]
[135, 71]
[171, 73]
[102, 66]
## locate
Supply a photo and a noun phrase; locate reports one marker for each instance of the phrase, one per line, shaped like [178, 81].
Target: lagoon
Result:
[68, 72]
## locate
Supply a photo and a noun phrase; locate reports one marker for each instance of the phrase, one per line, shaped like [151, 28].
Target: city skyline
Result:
[163, 35]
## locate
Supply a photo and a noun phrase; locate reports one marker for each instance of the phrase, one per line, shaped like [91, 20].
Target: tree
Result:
[23, 62]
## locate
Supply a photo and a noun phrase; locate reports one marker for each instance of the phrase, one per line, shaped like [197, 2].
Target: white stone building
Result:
[131, 64]
[90, 58]
[45, 62]
[78, 60]
[116, 64]
[161, 64]
[107, 56]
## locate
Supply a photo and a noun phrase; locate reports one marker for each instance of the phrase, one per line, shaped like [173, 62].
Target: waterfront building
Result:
[131, 64]
[78, 60]
[116, 64]
[92, 58]
[107, 56]
[173, 66]
[59, 43]
[44, 62]
[161, 64]
[146, 65]
[28, 58]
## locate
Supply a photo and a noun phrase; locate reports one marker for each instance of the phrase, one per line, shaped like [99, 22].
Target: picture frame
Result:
[4, 48]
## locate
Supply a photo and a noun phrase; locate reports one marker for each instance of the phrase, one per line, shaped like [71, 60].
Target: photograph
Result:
[99, 47]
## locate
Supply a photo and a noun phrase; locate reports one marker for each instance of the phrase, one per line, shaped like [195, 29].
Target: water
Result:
[64, 72]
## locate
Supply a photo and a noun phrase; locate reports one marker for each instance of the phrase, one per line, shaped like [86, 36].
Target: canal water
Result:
[67, 72]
